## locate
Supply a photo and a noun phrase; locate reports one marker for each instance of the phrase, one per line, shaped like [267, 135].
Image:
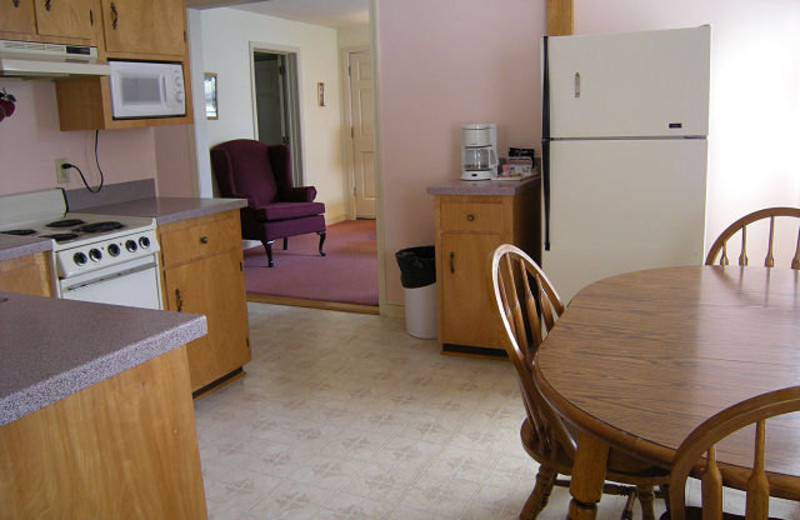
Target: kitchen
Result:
[408, 212]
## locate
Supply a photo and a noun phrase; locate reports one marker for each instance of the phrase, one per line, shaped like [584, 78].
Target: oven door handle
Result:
[68, 285]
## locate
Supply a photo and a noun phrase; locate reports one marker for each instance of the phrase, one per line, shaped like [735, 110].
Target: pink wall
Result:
[30, 141]
[442, 64]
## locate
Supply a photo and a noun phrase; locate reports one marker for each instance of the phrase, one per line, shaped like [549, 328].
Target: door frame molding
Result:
[294, 101]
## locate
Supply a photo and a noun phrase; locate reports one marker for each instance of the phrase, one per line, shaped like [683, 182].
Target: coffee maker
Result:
[478, 151]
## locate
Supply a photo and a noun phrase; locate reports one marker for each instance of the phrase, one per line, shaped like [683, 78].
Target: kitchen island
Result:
[96, 417]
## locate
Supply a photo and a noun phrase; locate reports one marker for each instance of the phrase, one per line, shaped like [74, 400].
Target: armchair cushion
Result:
[287, 210]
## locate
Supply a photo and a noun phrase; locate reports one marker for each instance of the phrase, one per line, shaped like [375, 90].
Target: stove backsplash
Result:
[80, 199]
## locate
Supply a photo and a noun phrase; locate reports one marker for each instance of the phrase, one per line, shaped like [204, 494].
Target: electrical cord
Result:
[97, 161]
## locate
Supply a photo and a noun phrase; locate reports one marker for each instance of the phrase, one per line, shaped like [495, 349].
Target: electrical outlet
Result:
[62, 174]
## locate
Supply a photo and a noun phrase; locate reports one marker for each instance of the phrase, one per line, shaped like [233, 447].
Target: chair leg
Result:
[268, 249]
[545, 479]
[285, 243]
[321, 241]
[646, 497]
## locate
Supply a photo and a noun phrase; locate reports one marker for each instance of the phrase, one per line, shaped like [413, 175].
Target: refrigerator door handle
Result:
[546, 142]
[577, 84]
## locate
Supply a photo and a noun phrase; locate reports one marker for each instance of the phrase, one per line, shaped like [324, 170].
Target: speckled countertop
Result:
[168, 209]
[54, 348]
[15, 246]
[469, 188]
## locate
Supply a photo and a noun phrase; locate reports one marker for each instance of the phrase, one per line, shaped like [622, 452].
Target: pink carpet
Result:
[348, 274]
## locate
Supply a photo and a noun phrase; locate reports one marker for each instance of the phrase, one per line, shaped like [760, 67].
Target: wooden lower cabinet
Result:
[29, 274]
[203, 274]
[468, 229]
[123, 448]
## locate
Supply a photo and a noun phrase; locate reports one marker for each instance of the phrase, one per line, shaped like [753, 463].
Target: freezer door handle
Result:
[577, 84]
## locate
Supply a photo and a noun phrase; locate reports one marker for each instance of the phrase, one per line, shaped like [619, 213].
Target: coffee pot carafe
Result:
[478, 151]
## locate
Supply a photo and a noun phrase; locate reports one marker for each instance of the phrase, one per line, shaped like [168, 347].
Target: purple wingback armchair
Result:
[262, 174]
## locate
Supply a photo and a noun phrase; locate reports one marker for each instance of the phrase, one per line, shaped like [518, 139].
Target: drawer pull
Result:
[204, 240]
[452, 263]
[470, 217]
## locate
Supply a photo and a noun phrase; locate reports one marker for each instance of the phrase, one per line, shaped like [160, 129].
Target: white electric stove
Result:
[98, 258]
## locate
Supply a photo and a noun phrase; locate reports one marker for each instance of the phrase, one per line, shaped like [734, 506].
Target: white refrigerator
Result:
[624, 153]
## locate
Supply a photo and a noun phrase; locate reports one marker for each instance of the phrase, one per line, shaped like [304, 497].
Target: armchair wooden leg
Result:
[268, 249]
[285, 243]
[321, 241]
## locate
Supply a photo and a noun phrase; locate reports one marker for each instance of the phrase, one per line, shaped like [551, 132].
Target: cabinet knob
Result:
[178, 300]
[204, 240]
[470, 217]
[15, 2]
[47, 5]
[452, 262]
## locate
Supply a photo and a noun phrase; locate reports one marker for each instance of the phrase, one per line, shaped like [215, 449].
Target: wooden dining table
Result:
[639, 360]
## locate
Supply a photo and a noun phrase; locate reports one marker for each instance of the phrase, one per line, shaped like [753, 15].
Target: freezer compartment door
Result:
[620, 206]
[643, 84]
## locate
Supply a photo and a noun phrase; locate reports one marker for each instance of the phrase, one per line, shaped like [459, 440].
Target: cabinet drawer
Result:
[472, 217]
[186, 241]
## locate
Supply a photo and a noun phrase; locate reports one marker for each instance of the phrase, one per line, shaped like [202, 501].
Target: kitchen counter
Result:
[15, 246]
[54, 348]
[469, 188]
[167, 210]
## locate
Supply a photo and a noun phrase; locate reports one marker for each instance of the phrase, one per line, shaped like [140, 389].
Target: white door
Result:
[624, 205]
[643, 84]
[362, 142]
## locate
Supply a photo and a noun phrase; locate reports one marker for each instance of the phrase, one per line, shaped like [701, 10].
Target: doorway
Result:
[360, 113]
[276, 103]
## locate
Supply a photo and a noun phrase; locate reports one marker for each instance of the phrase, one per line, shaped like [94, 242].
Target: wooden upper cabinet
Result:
[141, 27]
[17, 16]
[52, 21]
[65, 18]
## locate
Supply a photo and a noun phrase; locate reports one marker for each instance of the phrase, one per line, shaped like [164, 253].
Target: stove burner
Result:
[67, 222]
[99, 227]
[19, 232]
[61, 237]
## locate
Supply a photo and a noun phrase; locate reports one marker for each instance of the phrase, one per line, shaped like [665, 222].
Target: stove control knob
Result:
[144, 242]
[79, 259]
[95, 255]
[113, 249]
[131, 246]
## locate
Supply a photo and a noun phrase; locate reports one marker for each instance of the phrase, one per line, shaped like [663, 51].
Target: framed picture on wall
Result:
[210, 89]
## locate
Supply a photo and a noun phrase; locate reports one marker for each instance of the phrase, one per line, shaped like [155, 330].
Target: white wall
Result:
[225, 50]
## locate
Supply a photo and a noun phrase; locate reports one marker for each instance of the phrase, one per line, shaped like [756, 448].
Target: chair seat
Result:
[287, 210]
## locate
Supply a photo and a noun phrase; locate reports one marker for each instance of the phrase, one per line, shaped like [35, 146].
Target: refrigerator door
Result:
[624, 205]
[643, 84]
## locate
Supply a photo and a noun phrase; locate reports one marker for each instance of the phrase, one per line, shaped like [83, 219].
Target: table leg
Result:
[588, 477]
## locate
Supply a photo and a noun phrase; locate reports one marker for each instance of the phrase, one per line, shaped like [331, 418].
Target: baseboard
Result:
[313, 304]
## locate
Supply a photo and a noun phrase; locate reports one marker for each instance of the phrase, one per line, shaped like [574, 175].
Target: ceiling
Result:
[328, 13]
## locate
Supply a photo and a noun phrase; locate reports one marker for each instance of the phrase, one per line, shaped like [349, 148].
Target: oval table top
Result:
[641, 359]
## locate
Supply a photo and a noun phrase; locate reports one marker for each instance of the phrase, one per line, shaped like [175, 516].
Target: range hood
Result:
[48, 60]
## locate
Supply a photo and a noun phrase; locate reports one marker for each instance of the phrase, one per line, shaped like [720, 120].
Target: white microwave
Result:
[144, 89]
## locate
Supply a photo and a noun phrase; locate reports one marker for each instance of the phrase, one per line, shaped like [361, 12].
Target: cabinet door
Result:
[65, 18]
[17, 16]
[27, 275]
[144, 27]
[468, 316]
[213, 286]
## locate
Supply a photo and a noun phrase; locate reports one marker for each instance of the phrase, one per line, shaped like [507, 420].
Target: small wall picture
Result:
[321, 94]
[210, 88]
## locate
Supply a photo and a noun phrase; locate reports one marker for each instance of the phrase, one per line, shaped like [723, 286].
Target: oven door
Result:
[134, 284]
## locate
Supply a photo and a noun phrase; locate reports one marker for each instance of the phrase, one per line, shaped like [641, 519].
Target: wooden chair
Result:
[756, 481]
[721, 244]
[529, 308]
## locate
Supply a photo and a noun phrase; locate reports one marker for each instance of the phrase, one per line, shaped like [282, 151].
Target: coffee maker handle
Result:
[493, 162]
